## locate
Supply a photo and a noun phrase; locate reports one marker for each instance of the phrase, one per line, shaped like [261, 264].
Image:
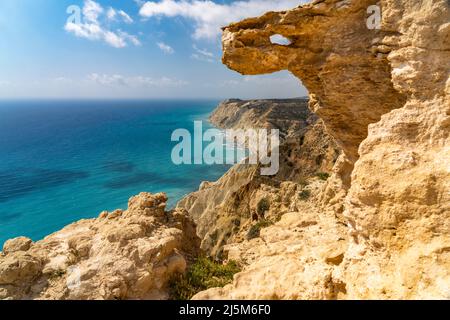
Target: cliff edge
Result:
[384, 95]
[129, 254]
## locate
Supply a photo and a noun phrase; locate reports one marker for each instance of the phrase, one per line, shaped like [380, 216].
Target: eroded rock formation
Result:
[340, 61]
[295, 257]
[120, 255]
[384, 95]
[377, 228]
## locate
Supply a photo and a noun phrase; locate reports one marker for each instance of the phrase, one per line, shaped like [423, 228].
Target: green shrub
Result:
[323, 175]
[263, 206]
[305, 194]
[201, 275]
[255, 230]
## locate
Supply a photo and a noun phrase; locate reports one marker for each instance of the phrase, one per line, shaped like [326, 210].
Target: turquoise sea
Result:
[61, 161]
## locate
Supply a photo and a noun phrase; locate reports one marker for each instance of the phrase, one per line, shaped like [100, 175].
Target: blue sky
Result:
[128, 49]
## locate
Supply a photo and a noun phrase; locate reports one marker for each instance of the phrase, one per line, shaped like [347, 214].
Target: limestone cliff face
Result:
[340, 61]
[384, 95]
[293, 258]
[120, 255]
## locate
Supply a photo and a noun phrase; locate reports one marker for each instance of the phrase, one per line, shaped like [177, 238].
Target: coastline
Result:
[45, 194]
[106, 243]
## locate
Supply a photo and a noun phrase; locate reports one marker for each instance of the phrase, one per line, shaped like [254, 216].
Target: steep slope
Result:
[294, 258]
[377, 228]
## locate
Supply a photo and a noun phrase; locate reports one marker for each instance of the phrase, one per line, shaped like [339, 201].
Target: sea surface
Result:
[62, 161]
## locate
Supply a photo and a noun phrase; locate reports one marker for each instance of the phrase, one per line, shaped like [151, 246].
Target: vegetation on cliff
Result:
[201, 275]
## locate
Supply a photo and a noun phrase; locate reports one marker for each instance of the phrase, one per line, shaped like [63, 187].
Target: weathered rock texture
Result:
[295, 258]
[384, 95]
[120, 255]
[331, 52]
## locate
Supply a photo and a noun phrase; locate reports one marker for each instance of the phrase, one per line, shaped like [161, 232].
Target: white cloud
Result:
[202, 54]
[91, 11]
[209, 16]
[92, 28]
[117, 80]
[125, 17]
[165, 48]
[62, 80]
[112, 14]
[129, 37]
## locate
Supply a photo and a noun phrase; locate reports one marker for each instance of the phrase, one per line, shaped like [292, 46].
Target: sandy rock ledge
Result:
[120, 255]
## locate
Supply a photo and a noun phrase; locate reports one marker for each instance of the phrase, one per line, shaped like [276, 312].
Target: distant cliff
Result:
[133, 254]
[290, 116]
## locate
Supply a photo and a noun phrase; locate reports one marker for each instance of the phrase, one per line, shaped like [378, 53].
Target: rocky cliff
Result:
[290, 248]
[133, 254]
[378, 227]
[384, 95]
[120, 255]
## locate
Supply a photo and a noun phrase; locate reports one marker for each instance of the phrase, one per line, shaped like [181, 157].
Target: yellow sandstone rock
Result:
[384, 95]
[122, 255]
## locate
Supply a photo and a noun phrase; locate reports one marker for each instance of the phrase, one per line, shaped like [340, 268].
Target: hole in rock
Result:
[279, 39]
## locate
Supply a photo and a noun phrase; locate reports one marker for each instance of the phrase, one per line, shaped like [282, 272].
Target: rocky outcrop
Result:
[333, 53]
[120, 255]
[132, 254]
[225, 210]
[399, 204]
[294, 258]
[384, 95]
